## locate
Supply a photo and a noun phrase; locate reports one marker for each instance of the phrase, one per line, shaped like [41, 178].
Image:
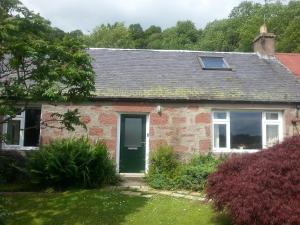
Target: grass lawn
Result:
[107, 207]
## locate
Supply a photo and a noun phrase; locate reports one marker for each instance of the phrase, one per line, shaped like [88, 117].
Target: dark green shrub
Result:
[193, 175]
[72, 162]
[163, 168]
[12, 165]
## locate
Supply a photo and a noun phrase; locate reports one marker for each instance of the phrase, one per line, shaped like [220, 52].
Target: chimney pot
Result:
[263, 29]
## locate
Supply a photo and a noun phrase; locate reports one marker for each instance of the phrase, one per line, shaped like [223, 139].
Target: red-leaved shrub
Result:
[262, 188]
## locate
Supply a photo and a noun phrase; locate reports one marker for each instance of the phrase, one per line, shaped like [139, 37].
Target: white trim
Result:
[221, 122]
[147, 153]
[18, 148]
[264, 123]
[147, 146]
[118, 143]
[20, 118]
[236, 150]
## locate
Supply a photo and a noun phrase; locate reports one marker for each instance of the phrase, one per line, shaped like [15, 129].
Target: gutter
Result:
[182, 100]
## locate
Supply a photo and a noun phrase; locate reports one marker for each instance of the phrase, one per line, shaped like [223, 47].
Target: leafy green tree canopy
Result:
[111, 36]
[39, 63]
[235, 33]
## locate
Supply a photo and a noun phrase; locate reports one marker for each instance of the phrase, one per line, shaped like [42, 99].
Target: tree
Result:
[111, 36]
[220, 35]
[244, 9]
[152, 30]
[290, 41]
[137, 35]
[152, 37]
[39, 63]
[183, 36]
[76, 34]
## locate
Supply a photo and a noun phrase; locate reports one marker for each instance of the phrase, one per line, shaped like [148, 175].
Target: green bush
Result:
[72, 162]
[167, 172]
[12, 165]
[194, 174]
[163, 168]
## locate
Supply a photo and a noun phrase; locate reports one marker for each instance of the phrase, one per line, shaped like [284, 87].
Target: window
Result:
[213, 63]
[272, 128]
[246, 130]
[23, 131]
[221, 129]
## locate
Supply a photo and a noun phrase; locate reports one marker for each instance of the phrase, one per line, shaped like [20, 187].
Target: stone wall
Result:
[187, 127]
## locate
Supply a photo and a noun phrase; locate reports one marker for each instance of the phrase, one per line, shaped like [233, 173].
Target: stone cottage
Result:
[195, 101]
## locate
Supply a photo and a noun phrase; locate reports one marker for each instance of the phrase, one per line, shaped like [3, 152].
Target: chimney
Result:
[264, 43]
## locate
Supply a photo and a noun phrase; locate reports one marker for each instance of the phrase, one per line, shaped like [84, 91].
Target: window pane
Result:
[271, 116]
[32, 127]
[220, 135]
[246, 132]
[133, 132]
[220, 115]
[13, 132]
[213, 62]
[272, 135]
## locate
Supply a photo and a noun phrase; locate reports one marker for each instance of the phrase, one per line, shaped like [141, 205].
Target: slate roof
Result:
[291, 61]
[177, 75]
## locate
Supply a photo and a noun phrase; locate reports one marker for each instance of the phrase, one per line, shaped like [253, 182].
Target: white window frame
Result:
[225, 122]
[264, 123]
[20, 146]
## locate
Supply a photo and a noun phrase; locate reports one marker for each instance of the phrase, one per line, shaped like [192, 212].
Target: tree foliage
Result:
[111, 36]
[39, 63]
[236, 33]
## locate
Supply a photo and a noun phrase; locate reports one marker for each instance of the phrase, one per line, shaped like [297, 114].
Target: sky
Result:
[85, 15]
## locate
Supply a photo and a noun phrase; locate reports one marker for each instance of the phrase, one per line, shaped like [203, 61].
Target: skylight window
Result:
[213, 63]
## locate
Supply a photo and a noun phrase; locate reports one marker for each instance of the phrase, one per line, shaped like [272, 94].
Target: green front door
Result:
[132, 143]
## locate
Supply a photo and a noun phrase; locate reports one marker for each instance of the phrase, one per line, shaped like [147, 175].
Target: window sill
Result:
[235, 150]
[18, 148]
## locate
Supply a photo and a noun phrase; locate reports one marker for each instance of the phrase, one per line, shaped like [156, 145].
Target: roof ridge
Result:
[171, 50]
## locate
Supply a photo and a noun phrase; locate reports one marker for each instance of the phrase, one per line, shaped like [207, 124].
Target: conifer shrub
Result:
[72, 163]
[261, 188]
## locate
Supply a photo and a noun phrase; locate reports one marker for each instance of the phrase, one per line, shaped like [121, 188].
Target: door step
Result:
[132, 175]
[132, 180]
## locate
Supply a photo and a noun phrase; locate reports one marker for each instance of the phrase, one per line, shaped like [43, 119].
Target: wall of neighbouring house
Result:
[187, 127]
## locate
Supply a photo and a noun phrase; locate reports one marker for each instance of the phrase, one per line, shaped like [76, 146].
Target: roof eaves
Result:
[182, 100]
